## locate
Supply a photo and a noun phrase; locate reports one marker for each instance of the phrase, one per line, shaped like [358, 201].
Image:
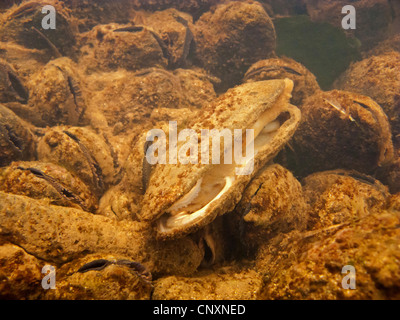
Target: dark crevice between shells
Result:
[292, 71]
[76, 92]
[246, 210]
[162, 45]
[95, 265]
[112, 151]
[363, 105]
[18, 87]
[59, 187]
[187, 46]
[249, 205]
[130, 29]
[119, 170]
[17, 142]
[144, 72]
[75, 89]
[360, 177]
[113, 211]
[100, 264]
[209, 255]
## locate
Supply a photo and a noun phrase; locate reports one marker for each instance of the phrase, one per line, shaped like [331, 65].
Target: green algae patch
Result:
[323, 49]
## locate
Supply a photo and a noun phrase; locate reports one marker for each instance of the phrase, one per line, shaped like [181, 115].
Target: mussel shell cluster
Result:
[75, 102]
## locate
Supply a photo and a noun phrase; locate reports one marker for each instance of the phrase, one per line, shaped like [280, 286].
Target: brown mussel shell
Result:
[231, 38]
[16, 139]
[102, 277]
[83, 152]
[112, 46]
[47, 182]
[341, 130]
[56, 95]
[305, 83]
[377, 77]
[23, 24]
[12, 87]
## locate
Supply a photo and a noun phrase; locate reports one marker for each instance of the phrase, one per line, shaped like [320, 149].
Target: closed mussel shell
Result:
[47, 182]
[102, 277]
[341, 130]
[16, 140]
[56, 95]
[24, 24]
[83, 152]
[305, 83]
[12, 87]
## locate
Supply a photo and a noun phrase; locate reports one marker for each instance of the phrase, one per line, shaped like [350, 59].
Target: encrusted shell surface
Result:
[231, 38]
[23, 24]
[113, 279]
[385, 46]
[20, 273]
[313, 263]
[394, 202]
[175, 30]
[349, 216]
[56, 95]
[120, 202]
[305, 83]
[194, 7]
[48, 182]
[272, 204]
[197, 86]
[112, 46]
[239, 108]
[341, 130]
[26, 61]
[340, 196]
[390, 174]
[92, 13]
[377, 77]
[74, 233]
[213, 286]
[16, 139]
[126, 99]
[83, 152]
[77, 191]
[124, 201]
